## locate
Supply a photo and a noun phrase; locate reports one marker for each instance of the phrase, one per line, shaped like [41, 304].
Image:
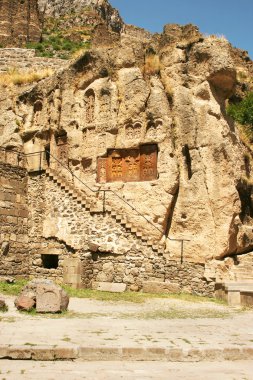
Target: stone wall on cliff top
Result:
[171, 91]
[19, 22]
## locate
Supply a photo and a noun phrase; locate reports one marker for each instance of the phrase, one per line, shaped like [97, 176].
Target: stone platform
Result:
[158, 330]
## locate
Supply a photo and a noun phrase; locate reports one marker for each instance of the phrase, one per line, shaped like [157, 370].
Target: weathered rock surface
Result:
[46, 296]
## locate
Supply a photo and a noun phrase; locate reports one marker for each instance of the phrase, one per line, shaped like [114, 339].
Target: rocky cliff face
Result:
[19, 22]
[82, 11]
[168, 91]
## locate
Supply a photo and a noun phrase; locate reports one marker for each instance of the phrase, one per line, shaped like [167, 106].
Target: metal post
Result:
[182, 251]
[40, 161]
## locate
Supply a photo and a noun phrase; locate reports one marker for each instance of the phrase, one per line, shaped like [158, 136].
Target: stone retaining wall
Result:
[13, 221]
[25, 60]
[106, 251]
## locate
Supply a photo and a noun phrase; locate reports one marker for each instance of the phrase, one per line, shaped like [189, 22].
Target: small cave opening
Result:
[188, 160]
[245, 190]
[50, 261]
[47, 154]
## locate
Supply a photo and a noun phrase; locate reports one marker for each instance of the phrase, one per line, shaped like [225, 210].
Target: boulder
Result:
[24, 303]
[45, 295]
[51, 299]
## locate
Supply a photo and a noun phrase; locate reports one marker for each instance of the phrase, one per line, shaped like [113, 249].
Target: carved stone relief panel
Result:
[90, 106]
[102, 170]
[62, 149]
[133, 131]
[154, 129]
[105, 105]
[148, 164]
[129, 165]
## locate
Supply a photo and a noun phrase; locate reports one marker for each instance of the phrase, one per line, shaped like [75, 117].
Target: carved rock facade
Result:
[141, 173]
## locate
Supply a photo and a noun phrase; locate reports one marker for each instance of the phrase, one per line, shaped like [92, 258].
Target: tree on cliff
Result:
[242, 112]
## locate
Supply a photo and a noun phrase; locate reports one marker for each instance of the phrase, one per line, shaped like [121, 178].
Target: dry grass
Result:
[18, 78]
[216, 37]
[152, 65]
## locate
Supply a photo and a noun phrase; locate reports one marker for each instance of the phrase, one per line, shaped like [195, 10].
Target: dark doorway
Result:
[50, 261]
[47, 154]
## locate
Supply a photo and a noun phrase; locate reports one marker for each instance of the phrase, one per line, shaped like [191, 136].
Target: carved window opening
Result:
[50, 261]
[90, 106]
[128, 165]
[187, 155]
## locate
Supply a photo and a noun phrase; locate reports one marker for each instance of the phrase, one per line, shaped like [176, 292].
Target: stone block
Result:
[160, 287]
[247, 298]
[51, 299]
[109, 287]
[234, 297]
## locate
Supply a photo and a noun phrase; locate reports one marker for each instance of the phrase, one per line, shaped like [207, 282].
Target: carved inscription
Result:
[62, 149]
[148, 162]
[105, 105]
[102, 170]
[133, 131]
[90, 106]
[129, 165]
[154, 129]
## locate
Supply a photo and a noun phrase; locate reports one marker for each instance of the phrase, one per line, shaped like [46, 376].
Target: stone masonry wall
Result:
[19, 22]
[60, 225]
[13, 221]
[25, 60]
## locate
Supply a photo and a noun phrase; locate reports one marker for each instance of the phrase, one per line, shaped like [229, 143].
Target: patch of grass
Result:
[58, 45]
[66, 339]
[12, 289]
[18, 78]
[135, 297]
[179, 313]
[8, 319]
[30, 344]
[152, 65]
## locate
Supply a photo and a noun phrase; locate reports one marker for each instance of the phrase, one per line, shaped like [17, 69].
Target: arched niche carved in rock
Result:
[105, 104]
[61, 140]
[133, 131]
[154, 128]
[90, 105]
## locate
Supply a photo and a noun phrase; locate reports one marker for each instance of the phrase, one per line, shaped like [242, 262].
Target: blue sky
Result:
[230, 18]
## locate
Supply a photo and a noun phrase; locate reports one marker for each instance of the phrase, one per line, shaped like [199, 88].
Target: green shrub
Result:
[243, 112]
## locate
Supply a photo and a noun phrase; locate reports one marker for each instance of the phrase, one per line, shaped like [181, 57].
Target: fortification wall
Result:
[13, 220]
[25, 60]
[19, 22]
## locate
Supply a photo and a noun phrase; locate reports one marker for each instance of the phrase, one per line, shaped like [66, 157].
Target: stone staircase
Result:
[243, 271]
[239, 291]
[90, 204]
